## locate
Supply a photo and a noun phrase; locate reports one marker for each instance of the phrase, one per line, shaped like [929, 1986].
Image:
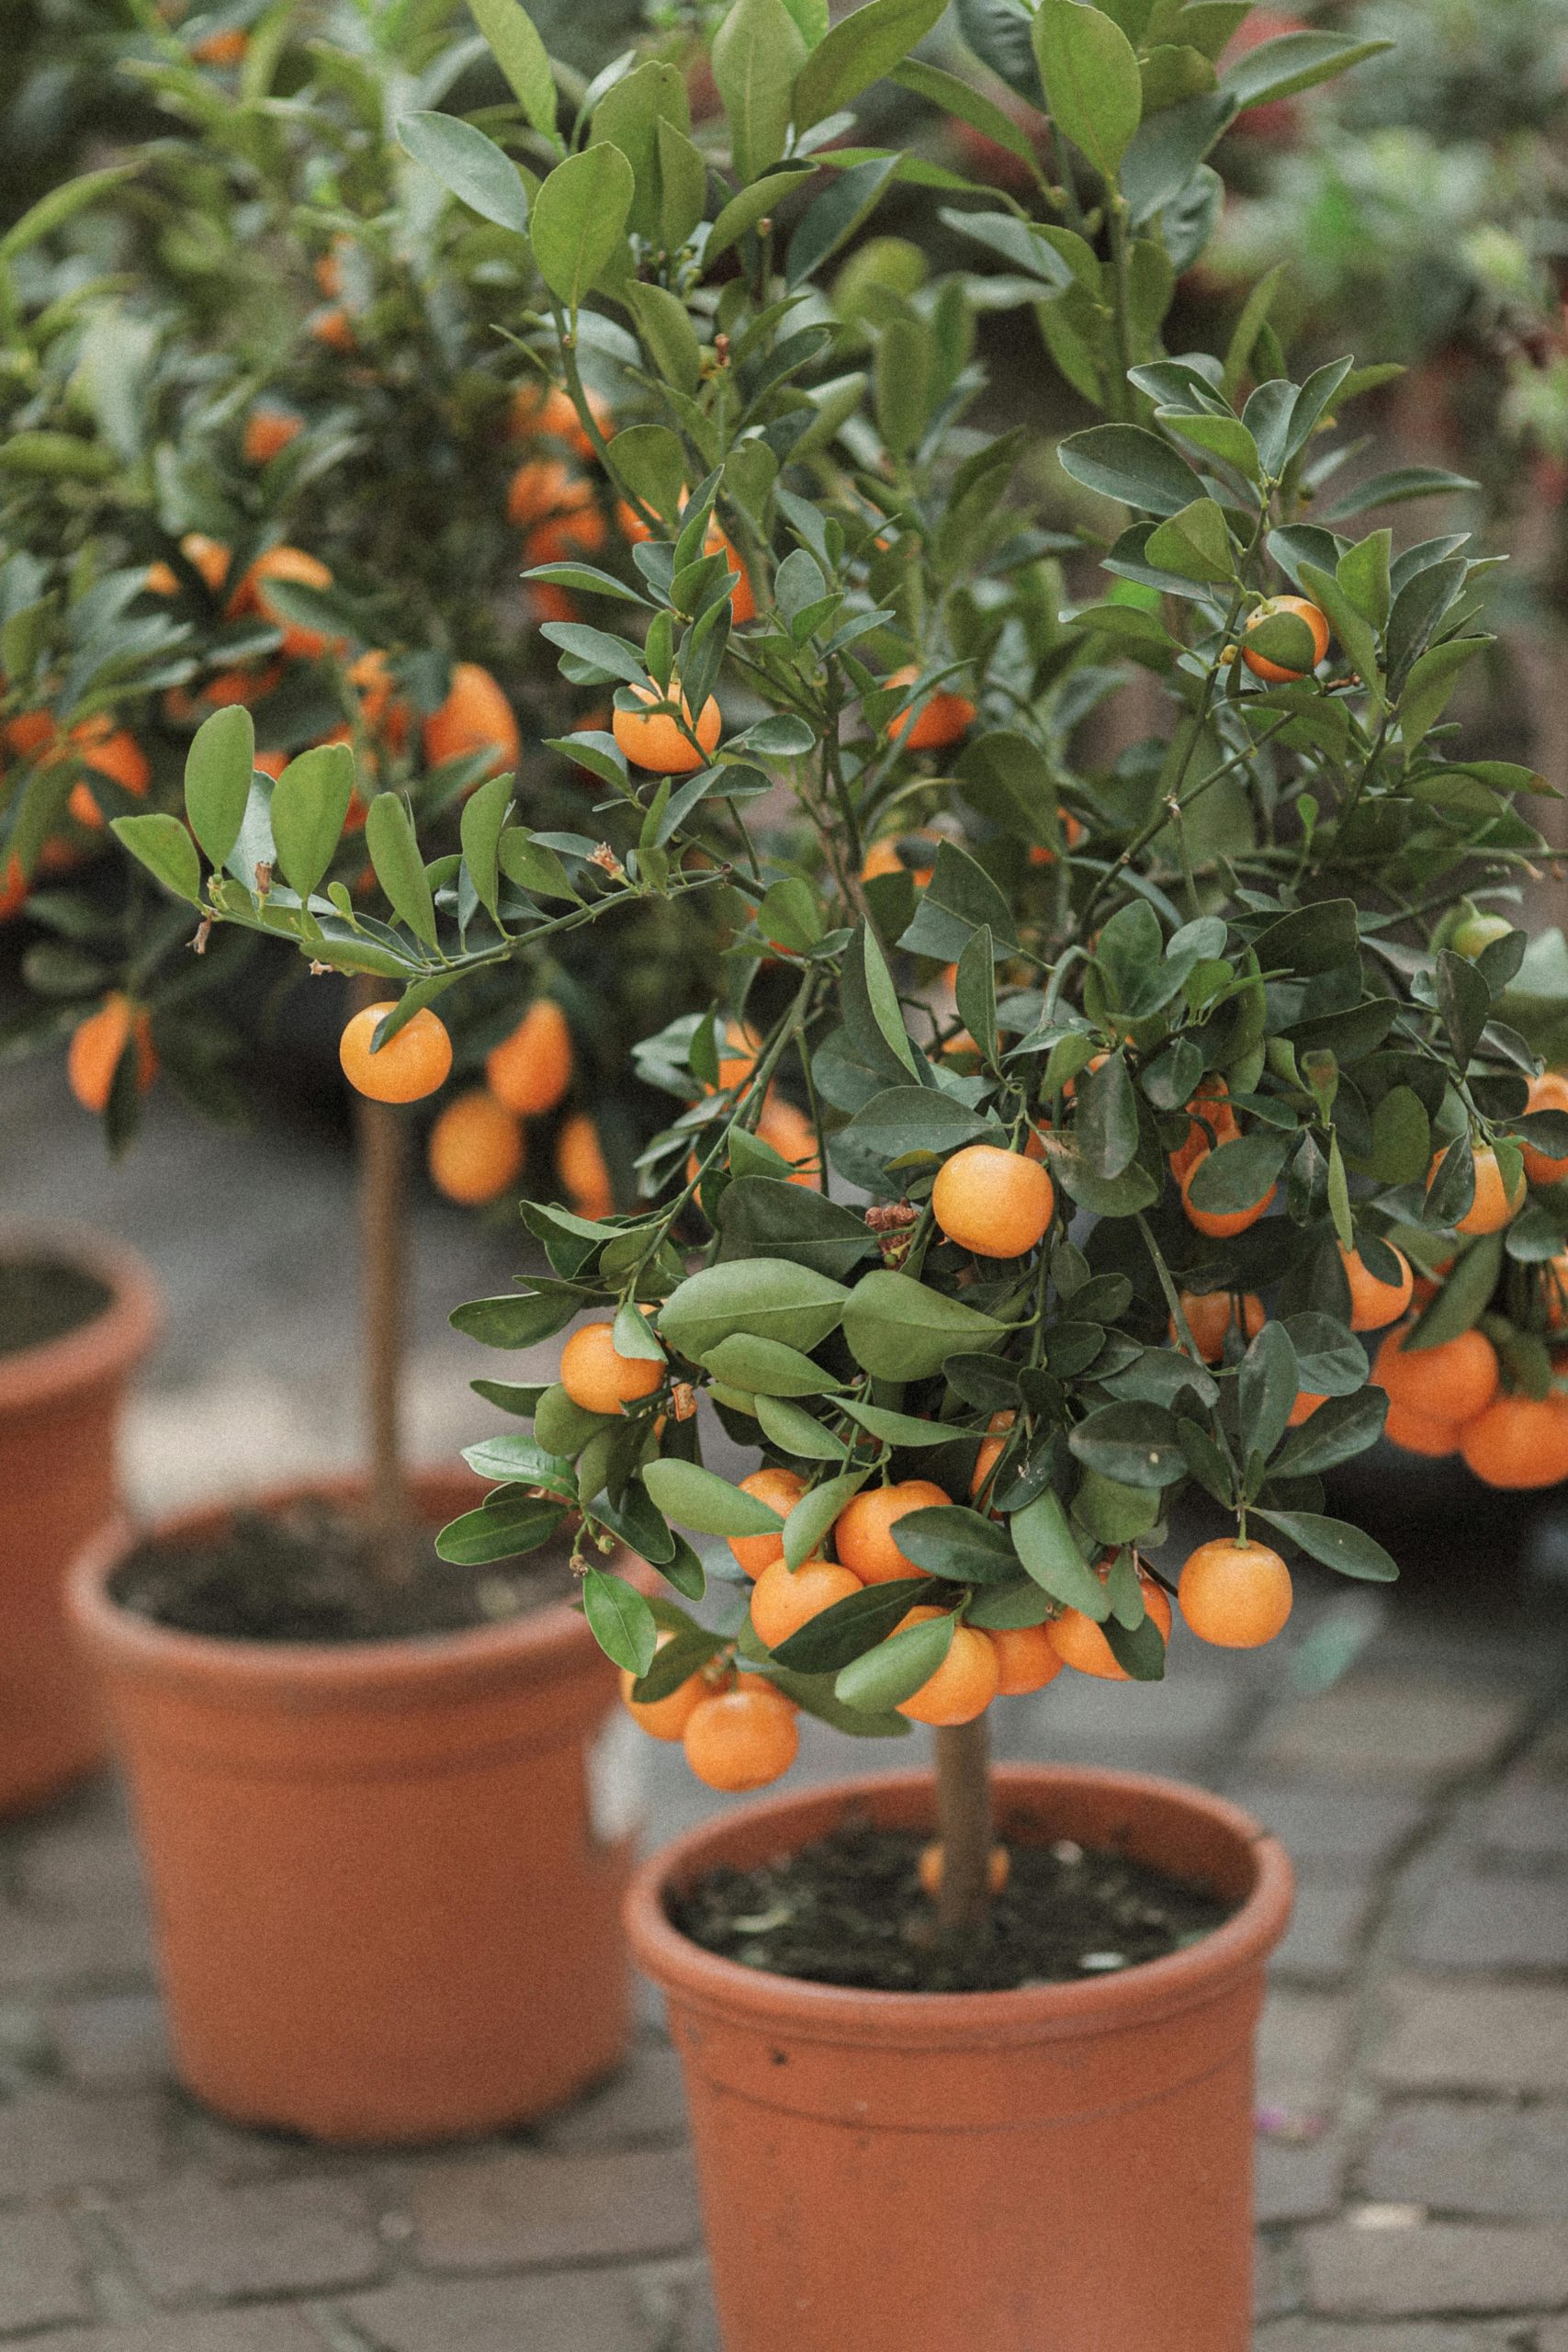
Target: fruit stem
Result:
[963, 1829]
[383, 1238]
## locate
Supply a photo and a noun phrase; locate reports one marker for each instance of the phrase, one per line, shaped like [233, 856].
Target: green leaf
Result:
[834, 217]
[518, 1322]
[162, 844]
[484, 814]
[579, 218]
[902, 1429]
[682, 185]
[768, 1368]
[1139, 1650]
[1238, 1175]
[757, 53]
[813, 1514]
[768, 1297]
[1126, 462]
[770, 1216]
[958, 98]
[960, 1544]
[1354, 633]
[959, 900]
[620, 1620]
[1336, 1431]
[511, 1456]
[1464, 1002]
[60, 204]
[1136, 1444]
[898, 1330]
[1392, 488]
[682, 1656]
[859, 50]
[631, 1335]
[701, 1498]
[1464, 1297]
[309, 805]
[521, 57]
[508, 1524]
[1093, 89]
[629, 116]
[1195, 544]
[1333, 1542]
[666, 333]
[472, 167]
[896, 1667]
[754, 204]
[1106, 1126]
[394, 853]
[903, 1120]
[1267, 1386]
[1278, 69]
[219, 766]
[872, 1012]
[1311, 939]
[827, 1643]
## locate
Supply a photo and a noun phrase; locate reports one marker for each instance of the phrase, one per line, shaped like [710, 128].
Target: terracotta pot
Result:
[386, 1877]
[1063, 2167]
[59, 1413]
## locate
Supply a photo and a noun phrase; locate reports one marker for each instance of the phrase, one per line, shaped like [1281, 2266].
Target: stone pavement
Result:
[1411, 1749]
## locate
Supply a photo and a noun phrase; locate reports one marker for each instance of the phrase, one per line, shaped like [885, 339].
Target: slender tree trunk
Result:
[964, 1829]
[383, 1243]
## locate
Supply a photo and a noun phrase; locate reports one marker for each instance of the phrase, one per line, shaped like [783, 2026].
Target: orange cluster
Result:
[1451, 1400]
[554, 504]
[476, 1149]
[738, 1730]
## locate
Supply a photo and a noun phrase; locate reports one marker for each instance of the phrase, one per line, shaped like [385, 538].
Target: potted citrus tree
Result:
[1101, 1090]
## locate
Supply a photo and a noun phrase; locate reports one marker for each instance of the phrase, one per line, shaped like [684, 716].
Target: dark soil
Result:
[310, 1575]
[43, 1298]
[849, 1910]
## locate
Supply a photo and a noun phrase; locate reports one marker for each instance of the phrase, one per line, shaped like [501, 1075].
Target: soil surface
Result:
[312, 1573]
[43, 1298]
[849, 1910]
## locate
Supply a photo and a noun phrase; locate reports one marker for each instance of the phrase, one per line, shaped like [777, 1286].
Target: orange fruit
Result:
[1492, 1208]
[1210, 1122]
[793, 1136]
[742, 1738]
[784, 1600]
[380, 708]
[550, 409]
[13, 888]
[543, 486]
[530, 1070]
[655, 741]
[114, 754]
[964, 1683]
[475, 717]
[545, 600]
[1073, 831]
[666, 1718]
[597, 1377]
[1274, 673]
[883, 857]
[1449, 1383]
[995, 1203]
[268, 430]
[1374, 1302]
[222, 48]
[333, 327]
[1026, 1659]
[96, 1044]
[273, 763]
[583, 1168]
[1555, 1283]
[1079, 1641]
[1211, 1316]
[1519, 1442]
[1220, 1224]
[742, 603]
[1548, 1092]
[410, 1066]
[557, 540]
[288, 565]
[1417, 1432]
[863, 1532]
[1306, 1404]
[781, 1490]
[475, 1149]
[1235, 1595]
[945, 720]
[992, 1448]
[998, 1866]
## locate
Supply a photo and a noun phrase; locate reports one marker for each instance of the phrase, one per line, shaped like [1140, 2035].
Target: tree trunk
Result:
[964, 1829]
[383, 1241]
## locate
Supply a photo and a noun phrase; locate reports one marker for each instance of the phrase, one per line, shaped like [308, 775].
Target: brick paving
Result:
[1413, 2154]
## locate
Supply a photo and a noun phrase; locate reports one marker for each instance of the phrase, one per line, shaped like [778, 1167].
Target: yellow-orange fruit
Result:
[997, 1203]
[781, 1490]
[475, 1149]
[596, 1376]
[530, 1070]
[1234, 1595]
[409, 1065]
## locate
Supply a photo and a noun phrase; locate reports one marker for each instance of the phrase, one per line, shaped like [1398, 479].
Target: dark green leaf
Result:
[620, 1620]
[1333, 1542]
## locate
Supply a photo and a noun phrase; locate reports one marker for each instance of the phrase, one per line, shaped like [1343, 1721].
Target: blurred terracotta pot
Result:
[60, 1406]
[1067, 2164]
[386, 1876]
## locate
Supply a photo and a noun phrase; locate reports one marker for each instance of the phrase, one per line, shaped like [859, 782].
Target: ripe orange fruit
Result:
[992, 1448]
[1519, 1442]
[222, 48]
[1274, 673]
[945, 720]
[475, 717]
[666, 1718]
[998, 1866]
[549, 409]
[596, 1376]
[13, 888]
[883, 857]
[1220, 1224]
[1492, 1208]
[996, 1202]
[114, 754]
[476, 1149]
[784, 1600]
[1548, 1092]
[781, 1490]
[1211, 1316]
[1026, 1659]
[743, 1739]
[410, 1066]
[530, 1070]
[96, 1044]
[581, 1164]
[333, 327]
[655, 741]
[286, 564]
[545, 600]
[207, 558]
[1234, 1595]
[1079, 1641]
[1306, 1404]
[964, 1683]
[1373, 1302]
[793, 1136]
[1073, 830]
[384, 714]
[863, 1532]
[268, 430]
[1417, 1432]
[543, 486]
[742, 601]
[1210, 1122]
[1449, 1383]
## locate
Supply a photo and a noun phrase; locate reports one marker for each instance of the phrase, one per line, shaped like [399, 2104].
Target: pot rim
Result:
[540, 1643]
[107, 1344]
[925, 2020]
